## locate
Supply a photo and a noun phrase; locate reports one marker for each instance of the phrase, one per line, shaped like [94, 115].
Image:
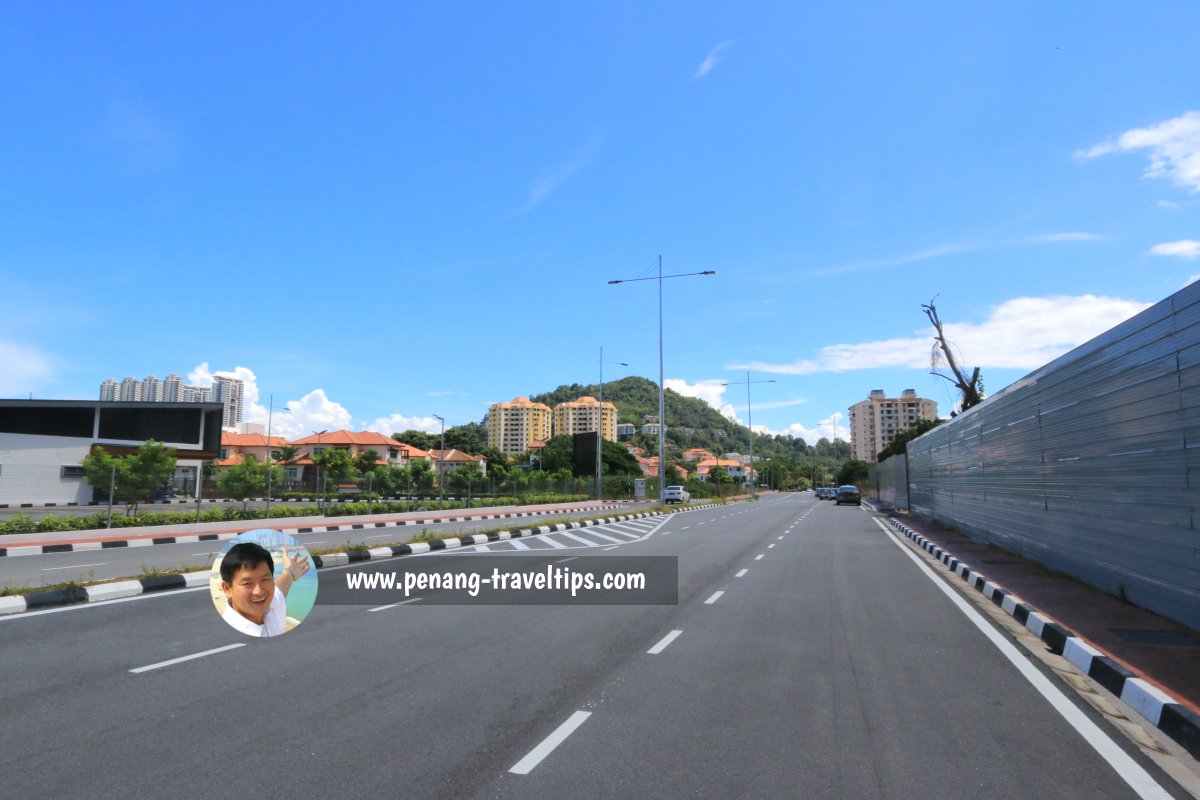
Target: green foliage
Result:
[418, 439]
[899, 444]
[853, 471]
[337, 466]
[248, 479]
[470, 438]
[365, 461]
[135, 477]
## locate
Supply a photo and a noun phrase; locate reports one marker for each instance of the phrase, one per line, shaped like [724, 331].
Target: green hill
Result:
[691, 422]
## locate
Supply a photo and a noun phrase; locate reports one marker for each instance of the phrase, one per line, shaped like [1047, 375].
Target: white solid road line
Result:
[75, 566]
[716, 596]
[663, 643]
[181, 659]
[526, 764]
[1138, 779]
[740, 574]
[393, 605]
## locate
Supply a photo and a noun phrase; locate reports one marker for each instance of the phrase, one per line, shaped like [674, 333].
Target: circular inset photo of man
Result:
[263, 583]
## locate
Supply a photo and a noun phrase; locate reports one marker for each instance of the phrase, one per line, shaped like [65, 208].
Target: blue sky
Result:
[381, 212]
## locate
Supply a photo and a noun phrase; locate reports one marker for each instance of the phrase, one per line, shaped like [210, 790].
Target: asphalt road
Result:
[814, 658]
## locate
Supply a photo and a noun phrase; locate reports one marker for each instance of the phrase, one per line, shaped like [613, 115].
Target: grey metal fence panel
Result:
[1090, 465]
[888, 482]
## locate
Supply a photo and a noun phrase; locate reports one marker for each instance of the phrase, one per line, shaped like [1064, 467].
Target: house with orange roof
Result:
[390, 451]
[236, 445]
[697, 454]
[454, 459]
[734, 469]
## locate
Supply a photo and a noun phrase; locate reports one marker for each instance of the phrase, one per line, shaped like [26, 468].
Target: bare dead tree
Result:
[971, 389]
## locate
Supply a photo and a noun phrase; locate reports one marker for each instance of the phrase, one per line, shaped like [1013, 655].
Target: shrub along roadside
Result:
[23, 523]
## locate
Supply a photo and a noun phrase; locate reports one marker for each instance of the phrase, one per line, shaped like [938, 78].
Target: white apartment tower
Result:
[230, 392]
[152, 390]
[172, 389]
[130, 391]
[874, 422]
[109, 390]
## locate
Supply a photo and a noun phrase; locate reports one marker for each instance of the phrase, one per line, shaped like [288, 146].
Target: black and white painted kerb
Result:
[1159, 708]
[146, 541]
[122, 589]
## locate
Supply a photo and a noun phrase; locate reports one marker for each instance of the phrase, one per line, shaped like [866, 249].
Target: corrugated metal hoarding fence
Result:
[888, 482]
[1087, 465]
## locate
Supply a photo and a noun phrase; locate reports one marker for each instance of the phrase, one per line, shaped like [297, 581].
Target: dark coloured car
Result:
[849, 494]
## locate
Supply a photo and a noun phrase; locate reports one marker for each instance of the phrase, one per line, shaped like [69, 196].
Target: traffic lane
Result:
[832, 664]
[336, 661]
[28, 571]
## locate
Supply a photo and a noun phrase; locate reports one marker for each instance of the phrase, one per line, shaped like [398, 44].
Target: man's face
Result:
[251, 592]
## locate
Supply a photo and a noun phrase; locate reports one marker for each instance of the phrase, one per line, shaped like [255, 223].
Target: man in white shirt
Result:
[256, 601]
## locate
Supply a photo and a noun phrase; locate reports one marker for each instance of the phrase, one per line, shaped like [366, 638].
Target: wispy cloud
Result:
[1075, 236]
[1168, 204]
[1022, 333]
[955, 248]
[550, 183]
[711, 59]
[937, 251]
[1173, 145]
[1185, 248]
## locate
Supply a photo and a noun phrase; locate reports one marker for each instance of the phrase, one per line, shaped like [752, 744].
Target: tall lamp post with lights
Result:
[662, 423]
[600, 429]
[442, 460]
[319, 489]
[749, 423]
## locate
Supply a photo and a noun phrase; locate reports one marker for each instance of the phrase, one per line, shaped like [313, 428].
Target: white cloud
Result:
[1184, 248]
[1173, 145]
[1023, 333]
[711, 59]
[711, 391]
[23, 369]
[1191, 279]
[397, 423]
[829, 428]
[547, 185]
[1075, 236]
[1168, 204]
[291, 419]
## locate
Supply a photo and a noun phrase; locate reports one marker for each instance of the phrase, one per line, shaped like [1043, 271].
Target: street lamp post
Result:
[600, 429]
[320, 492]
[662, 438]
[749, 422]
[442, 460]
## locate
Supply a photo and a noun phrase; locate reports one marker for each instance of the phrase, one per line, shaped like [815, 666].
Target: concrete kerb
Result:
[1157, 707]
[147, 540]
[114, 590]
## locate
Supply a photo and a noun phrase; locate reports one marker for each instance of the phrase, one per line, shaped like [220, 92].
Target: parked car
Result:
[849, 494]
[676, 494]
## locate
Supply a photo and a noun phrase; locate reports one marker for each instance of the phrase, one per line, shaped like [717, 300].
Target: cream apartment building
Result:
[874, 422]
[584, 416]
[513, 427]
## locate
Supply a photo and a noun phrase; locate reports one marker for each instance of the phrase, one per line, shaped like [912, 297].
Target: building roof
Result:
[361, 438]
[250, 440]
[454, 455]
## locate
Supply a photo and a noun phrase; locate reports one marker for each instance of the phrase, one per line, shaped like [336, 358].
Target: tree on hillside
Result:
[970, 389]
[470, 438]
[135, 477]
[418, 439]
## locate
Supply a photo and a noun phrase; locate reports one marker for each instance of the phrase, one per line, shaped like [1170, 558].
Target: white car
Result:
[676, 494]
